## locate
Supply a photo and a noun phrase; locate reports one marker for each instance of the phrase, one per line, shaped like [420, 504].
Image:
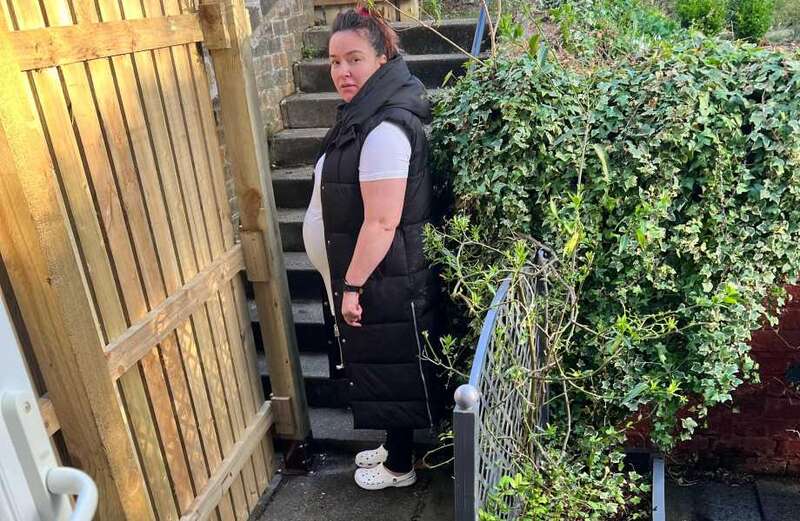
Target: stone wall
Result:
[277, 40]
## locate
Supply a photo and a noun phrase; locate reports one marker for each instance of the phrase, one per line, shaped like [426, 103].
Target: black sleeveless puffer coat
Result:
[390, 385]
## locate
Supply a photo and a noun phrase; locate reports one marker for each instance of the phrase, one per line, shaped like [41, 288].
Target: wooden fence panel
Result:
[120, 102]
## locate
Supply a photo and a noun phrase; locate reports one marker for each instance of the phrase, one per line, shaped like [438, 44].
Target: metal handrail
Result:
[480, 29]
[486, 333]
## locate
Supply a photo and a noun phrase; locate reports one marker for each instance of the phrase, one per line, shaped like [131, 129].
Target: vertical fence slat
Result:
[116, 126]
[39, 254]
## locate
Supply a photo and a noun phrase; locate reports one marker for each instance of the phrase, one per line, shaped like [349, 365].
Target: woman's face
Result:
[353, 61]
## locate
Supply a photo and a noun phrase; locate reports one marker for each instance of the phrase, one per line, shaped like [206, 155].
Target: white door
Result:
[32, 485]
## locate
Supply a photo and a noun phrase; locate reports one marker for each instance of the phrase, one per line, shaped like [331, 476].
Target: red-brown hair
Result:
[371, 25]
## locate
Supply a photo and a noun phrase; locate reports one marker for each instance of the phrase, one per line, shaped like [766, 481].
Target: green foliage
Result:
[705, 15]
[591, 485]
[751, 19]
[787, 14]
[670, 191]
[607, 30]
[433, 8]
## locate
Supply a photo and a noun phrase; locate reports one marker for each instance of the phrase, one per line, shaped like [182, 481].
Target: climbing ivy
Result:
[669, 189]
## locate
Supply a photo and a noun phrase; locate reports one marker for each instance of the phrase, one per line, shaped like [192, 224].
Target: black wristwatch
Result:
[349, 288]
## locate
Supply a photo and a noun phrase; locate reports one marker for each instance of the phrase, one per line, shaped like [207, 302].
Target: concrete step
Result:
[333, 431]
[414, 39]
[321, 389]
[293, 186]
[296, 147]
[317, 109]
[314, 109]
[305, 282]
[290, 221]
[313, 335]
[314, 75]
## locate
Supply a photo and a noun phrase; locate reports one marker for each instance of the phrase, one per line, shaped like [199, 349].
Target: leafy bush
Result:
[787, 14]
[597, 31]
[669, 189]
[705, 15]
[592, 485]
[751, 19]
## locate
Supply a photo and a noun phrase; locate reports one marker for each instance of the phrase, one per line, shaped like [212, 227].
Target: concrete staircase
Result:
[307, 115]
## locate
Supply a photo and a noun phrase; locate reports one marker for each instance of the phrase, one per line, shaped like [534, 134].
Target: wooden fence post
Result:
[227, 36]
[38, 252]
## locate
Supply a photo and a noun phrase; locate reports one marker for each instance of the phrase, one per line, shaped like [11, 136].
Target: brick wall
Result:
[759, 431]
[277, 42]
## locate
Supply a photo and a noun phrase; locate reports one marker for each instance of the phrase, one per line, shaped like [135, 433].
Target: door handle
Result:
[45, 480]
[67, 480]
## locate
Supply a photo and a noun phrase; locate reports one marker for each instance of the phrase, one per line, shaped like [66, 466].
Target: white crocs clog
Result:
[378, 478]
[366, 459]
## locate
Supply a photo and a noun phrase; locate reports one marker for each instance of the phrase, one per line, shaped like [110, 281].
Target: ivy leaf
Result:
[533, 45]
[634, 393]
[572, 243]
[603, 157]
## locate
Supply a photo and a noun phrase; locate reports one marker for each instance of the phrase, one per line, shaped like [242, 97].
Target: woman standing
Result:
[363, 231]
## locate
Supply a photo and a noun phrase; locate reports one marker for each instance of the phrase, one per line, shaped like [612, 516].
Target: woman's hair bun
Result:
[372, 26]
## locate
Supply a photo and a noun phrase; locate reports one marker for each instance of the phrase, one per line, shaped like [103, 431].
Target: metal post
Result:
[659, 501]
[466, 416]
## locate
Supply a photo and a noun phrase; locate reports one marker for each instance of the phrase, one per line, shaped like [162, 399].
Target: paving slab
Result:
[779, 498]
[679, 502]
[722, 502]
[328, 493]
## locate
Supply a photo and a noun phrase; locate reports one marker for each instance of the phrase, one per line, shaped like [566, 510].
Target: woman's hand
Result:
[351, 309]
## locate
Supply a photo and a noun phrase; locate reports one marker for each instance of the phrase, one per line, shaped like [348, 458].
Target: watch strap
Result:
[352, 289]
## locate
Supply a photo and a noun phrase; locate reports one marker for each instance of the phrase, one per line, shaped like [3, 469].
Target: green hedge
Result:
[674, 182]
[705, 15]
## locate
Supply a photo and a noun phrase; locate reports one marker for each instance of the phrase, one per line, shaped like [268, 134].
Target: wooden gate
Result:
[116, 239]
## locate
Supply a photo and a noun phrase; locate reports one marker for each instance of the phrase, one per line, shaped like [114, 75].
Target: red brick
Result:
[790, 338]
[793, 467]
[749, 407]
[773, 366]
[759, 446]
[750, 428]
[774, 387]
[696, 444]
[794, 292]
[790, 448]
[764, 340]
[780, 408]
[790, 319]
[764, 465]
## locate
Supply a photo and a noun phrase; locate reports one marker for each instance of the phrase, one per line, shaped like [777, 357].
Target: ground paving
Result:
[328, 493]
[765, 499]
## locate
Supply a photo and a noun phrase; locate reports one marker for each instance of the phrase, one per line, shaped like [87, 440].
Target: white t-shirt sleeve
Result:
[385, 154]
